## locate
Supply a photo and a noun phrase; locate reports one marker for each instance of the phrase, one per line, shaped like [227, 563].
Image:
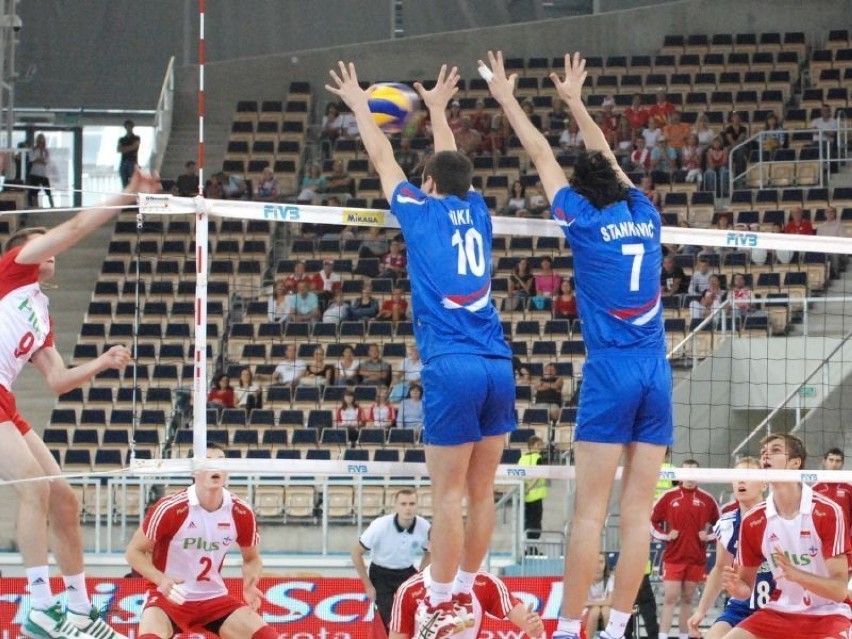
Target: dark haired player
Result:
[468, 383]
[625, 405]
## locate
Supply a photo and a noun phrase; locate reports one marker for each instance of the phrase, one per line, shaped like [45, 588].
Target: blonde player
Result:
[180, 549]
[802, 536]
[48, 512]
[747, 494]
[489, 597]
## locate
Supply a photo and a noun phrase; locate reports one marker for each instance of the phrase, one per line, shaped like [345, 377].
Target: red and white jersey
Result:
[689, 511]
[816, 534]
[25, 324]
[190, 543]
[490, 596]
[729, 507]
[840, 494]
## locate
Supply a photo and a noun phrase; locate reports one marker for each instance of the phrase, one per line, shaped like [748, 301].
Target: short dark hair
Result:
[129, 123]
[534, 441]
[22, 236]
[793, 443]
[404, 491]
[690, 462]
[452, 172]
[834, 451]
[596, 179]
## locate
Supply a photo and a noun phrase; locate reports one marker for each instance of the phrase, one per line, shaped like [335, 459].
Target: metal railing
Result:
[163, 118]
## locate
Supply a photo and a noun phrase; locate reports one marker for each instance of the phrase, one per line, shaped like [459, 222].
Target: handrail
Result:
[710, 318]
[767, 421]
[163, 118]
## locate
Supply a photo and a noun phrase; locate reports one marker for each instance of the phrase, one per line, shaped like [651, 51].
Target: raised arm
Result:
[436, 100]
[375, 141]
[713, 587]
[502, 88]
[571, 91]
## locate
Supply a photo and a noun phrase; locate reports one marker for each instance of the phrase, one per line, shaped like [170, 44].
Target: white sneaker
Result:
[92, 624]
[51, 623]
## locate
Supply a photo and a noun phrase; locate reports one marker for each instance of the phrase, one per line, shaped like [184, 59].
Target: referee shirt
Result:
[392, 546]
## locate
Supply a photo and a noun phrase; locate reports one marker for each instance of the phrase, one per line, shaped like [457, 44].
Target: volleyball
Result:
[392, 105]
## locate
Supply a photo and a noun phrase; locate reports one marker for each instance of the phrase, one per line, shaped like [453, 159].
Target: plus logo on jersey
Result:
[801, 560]
[199, 543]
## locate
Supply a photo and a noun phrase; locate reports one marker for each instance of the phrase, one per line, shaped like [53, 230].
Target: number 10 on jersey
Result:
[471, 254]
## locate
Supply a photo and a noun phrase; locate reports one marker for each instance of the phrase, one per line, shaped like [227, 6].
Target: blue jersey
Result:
[727, 532]
[448, 241]
[617, 263]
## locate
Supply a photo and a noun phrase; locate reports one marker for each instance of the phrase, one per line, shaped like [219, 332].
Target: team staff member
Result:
[535, 491]
[394, 541]
[683, 517]
[840, 493]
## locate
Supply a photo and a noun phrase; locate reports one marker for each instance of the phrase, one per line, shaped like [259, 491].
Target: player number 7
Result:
[637, 251]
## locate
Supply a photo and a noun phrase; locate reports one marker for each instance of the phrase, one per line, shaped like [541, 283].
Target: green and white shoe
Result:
[92, 625]
[51, 623]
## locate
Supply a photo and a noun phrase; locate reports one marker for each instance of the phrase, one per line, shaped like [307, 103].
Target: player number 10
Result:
[470, 252]
[637, 251]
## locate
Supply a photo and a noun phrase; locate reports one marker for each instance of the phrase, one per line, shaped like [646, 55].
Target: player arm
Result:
[138, 555]
[252, 563]
[536, 145]
[376, 143]
[357, 555]
[62, 379]
[658, 521]
[62, 237]
[526, 619]
[713, 586]
[436, 100]
[833, 587]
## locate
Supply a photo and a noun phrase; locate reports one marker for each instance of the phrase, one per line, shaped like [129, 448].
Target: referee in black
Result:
[393, 541]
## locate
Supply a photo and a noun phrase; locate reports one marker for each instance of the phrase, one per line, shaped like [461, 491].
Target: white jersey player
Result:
[26, 336]
[488, 597]
[803, 537]
[180, 549]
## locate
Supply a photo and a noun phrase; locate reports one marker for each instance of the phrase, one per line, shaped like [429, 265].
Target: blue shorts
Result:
[626, 399]
[735, 611]
[466, 398]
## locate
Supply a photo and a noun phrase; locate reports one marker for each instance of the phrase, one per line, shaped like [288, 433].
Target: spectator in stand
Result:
[406, 157]
[332, 126]
[235, 187]
[676, 131]
[410, 413]
[300, 274]
[304, 305]
[600, 598]
[652, 134]
[516, 201]
[412, 365]
[375, 244]
[798, 224]
[672, 277]
[662, 109]
[340, 182]
[327, 282]
[832, 227]
[716, 175]
[700, 280]
[610, 117]
[247, 392]
[266, 189]
[214, 188]
[603, 124]
[571, 140]
[468, 139]
[291, 370]
[637, 114]
[346, 371]
[565, 304]
[128, 146]
[366, 307]
[650, 191]
[313, 184]
[479, 119]
[710, 301]
[349, 416]
[639, 160]
[683, 517]
[382, 414]
[521, 286]
[338, 309]
[495, 141]
[703, 131]
[773, 134]
[278, 307]
[548, 392]
[664, 158]
[374, 371]
[625, 142]
[840, 492]
[318, 373]
[736, 133]
[221, 394]
[538, 205]
[454, 116]
[547, 281]
[828, 127]
[690, 159]
[395, 308]
[186, 184]
[743, 298]
[529, 108]
[394, 262]
[557, 117]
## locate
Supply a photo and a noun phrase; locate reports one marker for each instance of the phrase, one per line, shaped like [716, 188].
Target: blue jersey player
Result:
[468, 382]
[625, 401]
[727, 532]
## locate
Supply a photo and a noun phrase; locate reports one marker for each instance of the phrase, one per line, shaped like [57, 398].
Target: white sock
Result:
[663, 635]
[464, 582]
[38, 579]
[683, 635]
[568, 625]
[617, 623]
[76, 593]
[440, 593]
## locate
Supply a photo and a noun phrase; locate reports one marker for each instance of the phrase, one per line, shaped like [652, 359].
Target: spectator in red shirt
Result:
[637, 114]
[683, 517]
[797, 224]
[662, 109]
[395, 308]
[394, 262]
[300, 274]
[840, 493]
[565, 304]
[221, 395]
[382, 414]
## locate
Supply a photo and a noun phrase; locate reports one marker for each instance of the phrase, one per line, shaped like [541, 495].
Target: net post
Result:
[199, 378]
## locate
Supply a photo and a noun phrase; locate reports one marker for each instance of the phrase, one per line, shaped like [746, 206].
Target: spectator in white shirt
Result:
[828, 127]
[412, 365]
[700, 280]
[291, 370]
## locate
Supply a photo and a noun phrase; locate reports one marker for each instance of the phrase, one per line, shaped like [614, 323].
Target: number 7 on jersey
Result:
[637, 251]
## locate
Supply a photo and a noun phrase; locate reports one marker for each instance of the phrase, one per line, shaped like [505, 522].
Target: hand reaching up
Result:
[445, 88]
[502, 87]
[571, 88]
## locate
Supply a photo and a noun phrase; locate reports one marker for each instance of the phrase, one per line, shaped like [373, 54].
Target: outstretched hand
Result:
[346, 85]
[143, 182]
[445, 88]
[571, 88]
[502, 87]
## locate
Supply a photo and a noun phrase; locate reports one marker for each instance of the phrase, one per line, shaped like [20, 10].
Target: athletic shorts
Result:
[208, 614]
[683, 572]
[768, 624]
[466, 398]
[626, 399]
[735, 613]
[9, 412]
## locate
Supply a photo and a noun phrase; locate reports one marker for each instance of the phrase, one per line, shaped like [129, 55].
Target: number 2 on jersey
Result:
[637, 251]
[208, 566]
[470, 252]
